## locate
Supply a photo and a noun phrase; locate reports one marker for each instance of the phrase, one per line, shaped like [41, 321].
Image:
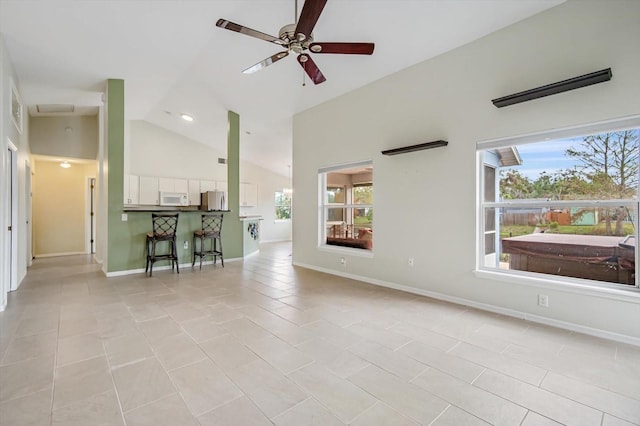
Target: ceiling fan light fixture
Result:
[186, 117]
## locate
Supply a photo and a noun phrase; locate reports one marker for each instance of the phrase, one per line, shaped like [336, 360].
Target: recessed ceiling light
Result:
[186, 117]
[65, 165]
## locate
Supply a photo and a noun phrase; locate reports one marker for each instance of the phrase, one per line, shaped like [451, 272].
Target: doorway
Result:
[27, 188]
[91, 216]
[11, 248]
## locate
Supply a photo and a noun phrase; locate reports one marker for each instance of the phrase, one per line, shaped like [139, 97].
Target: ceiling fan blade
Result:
[232, 26]
[263, 64]
[308, 17]
[345, 48]
[311, 68]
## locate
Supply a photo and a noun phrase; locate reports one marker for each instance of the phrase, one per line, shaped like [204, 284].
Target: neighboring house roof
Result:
[509, 156]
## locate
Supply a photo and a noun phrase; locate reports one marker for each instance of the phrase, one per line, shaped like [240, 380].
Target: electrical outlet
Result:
[543, 300]
[186, 245]
[343, 262]
[410, 262]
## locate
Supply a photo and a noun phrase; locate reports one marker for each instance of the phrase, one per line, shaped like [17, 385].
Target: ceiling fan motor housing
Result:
[288, 35]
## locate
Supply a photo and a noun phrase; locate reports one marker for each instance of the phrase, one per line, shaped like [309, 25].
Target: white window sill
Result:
[281, 220]
[346, 250]
[631, 295]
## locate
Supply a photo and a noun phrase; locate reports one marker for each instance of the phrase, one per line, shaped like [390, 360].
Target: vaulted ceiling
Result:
[175, 60]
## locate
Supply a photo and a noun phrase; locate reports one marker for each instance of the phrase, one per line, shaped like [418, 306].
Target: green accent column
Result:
[115, 169]
[232, 226]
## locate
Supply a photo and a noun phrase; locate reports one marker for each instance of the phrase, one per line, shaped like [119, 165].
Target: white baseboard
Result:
[3, 307]
[484, 306]
[164, 268]
[70, 253]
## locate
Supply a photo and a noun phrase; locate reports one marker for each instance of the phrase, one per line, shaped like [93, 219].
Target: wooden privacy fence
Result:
[531, 219]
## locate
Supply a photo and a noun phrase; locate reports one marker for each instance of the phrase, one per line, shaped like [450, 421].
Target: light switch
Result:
[124, 217]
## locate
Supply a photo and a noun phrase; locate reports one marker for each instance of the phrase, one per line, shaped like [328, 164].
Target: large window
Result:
[563, 204]
[346, 206]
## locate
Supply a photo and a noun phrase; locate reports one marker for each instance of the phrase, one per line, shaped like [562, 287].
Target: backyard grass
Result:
[599, 229]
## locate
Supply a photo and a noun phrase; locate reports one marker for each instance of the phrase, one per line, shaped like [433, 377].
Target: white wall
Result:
[65, 136]
[153, 151]
[425, 202]
[268, 183]
[9, 132]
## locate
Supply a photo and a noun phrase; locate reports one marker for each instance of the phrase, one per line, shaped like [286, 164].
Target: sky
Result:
[546, 157]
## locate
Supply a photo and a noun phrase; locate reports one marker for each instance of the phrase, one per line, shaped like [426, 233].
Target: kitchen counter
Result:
[132, 208]
[250, 218]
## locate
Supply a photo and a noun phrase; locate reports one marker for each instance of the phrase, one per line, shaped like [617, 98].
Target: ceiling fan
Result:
[298, 38]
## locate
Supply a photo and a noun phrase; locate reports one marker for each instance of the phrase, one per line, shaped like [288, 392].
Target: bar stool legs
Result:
[211, 229]
[164, 229]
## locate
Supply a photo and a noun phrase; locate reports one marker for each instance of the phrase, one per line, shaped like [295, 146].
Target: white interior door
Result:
[27, 189]
[91, 216]
[12, 216]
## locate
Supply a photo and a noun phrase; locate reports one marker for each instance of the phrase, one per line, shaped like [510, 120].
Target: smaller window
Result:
[16, 108]
[346, 208]
[283, 205]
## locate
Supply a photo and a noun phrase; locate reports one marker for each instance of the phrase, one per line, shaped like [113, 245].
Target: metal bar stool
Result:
[211, 229]
[164, 229]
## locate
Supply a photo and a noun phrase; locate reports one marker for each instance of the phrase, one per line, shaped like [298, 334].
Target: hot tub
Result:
[594, 257]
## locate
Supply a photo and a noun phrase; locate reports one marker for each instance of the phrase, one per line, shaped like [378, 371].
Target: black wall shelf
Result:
[554, 88]
[412, 148]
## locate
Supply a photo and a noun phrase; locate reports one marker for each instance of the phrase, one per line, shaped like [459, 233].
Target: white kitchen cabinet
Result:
[180, 185]
[248, 195]
[194, 192]
[222, 186]
[131, 191]
[149, 191]
[207, 185]
[165, 184]
[173, 185]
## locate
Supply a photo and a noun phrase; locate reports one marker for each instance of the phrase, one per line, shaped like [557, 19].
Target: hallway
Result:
[261, 342]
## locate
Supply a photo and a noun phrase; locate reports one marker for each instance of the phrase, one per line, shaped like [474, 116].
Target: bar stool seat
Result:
[210, 229]
[164, 229]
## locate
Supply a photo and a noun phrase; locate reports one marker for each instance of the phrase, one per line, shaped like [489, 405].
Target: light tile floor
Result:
[261, 342]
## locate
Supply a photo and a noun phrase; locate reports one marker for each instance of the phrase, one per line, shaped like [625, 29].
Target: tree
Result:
[609, 161]
[513, 185]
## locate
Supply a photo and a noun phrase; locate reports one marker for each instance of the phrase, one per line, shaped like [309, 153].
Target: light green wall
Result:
[126, 239]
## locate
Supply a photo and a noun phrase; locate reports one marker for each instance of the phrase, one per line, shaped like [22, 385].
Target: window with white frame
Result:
[346, 206]
[283, 205]
[562, 203]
